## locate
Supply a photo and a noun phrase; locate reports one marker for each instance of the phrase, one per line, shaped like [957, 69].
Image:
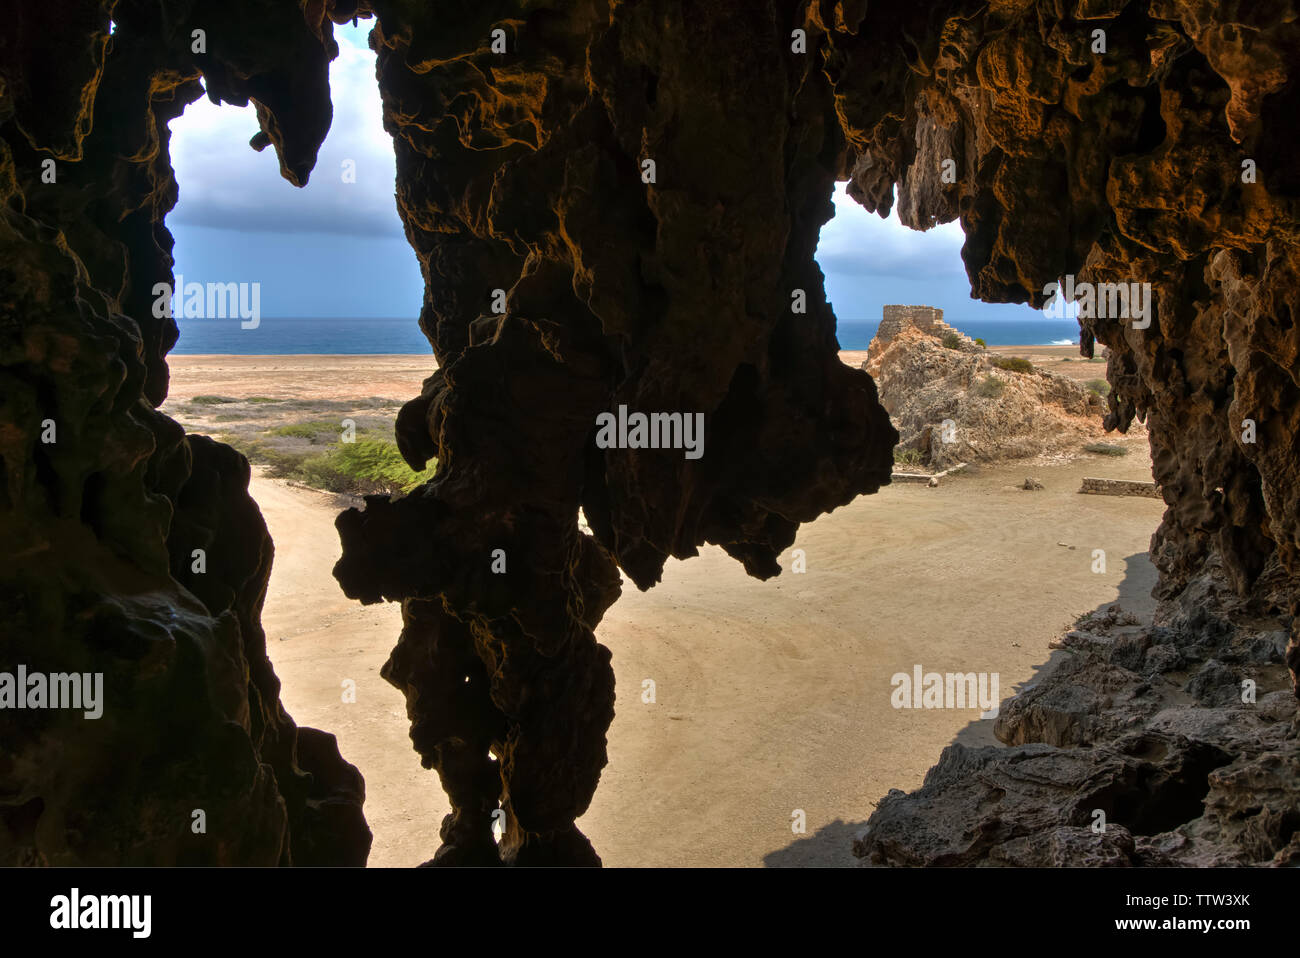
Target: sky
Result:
[332, 248]
[336, 248]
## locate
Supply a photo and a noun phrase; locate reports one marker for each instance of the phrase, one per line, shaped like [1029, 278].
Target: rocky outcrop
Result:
[1120, 142]
[617, 206]
[925, 319]
[1138, 144]
[1166, 744]
[639, 266]
[952, 405]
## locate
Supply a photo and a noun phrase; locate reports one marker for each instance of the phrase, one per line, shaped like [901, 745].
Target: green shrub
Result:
[907, 457]
[262, 399]
[952, 340]
[212, 400]
[990, 387]
[980, 343]
[1014, 364]
[1098, 386]
[308, 430]
[362, 467]
[1105, 449]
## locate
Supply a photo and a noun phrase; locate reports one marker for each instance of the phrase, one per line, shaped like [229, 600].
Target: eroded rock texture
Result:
[105, 500]
[1105, 140]
[525, 171]
[1122, 142]
[994, 413]
[643, 183]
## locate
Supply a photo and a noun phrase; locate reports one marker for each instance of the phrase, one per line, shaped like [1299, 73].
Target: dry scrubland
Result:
[771, 696]
[291, 419]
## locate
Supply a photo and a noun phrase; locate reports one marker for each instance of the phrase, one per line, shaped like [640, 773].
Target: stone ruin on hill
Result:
[927, 319]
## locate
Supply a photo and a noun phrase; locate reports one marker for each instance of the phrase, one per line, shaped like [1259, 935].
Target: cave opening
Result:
[646, 215]
[872, 262]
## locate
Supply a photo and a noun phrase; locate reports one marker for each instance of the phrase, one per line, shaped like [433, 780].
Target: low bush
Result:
[361, 468]
[1014, 364]
[309, 430]
[364, 467]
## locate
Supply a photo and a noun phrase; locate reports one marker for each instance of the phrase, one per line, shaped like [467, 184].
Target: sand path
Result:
[770, 697]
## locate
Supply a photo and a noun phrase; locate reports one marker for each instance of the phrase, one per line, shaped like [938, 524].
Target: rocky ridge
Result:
[955, 405]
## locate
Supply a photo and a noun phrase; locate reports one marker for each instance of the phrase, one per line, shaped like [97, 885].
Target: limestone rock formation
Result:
[954, 405]
[640, 187]
[1139, 746]
[1139, 144]
[131, 549]
[661, 287]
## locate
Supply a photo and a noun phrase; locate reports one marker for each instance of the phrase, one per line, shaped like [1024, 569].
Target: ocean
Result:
[276, 336]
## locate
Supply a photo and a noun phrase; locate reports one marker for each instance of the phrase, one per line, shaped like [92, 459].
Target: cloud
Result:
[225, 184]
[869, 261]
[856, 241]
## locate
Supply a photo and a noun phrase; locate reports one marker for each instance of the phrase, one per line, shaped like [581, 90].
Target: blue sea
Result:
[279, 336]
[339, 335]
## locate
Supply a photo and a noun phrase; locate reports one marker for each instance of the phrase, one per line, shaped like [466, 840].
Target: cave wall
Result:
[1123, 142]
[518, 170]
[522, 130]
[523, 170]
[1121, 166]
[104, 499]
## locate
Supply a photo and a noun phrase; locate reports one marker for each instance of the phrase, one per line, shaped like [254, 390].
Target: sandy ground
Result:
[299, 377]
[770, 697]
